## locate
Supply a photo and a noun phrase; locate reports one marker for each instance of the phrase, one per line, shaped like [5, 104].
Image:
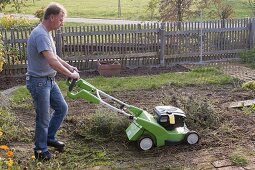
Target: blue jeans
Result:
[46, 96]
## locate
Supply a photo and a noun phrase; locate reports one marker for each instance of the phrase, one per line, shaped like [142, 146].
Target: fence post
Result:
[59, 43]
[252, 34]
[162, 44]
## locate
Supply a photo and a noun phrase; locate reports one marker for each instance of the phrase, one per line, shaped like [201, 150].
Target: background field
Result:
[131, 9]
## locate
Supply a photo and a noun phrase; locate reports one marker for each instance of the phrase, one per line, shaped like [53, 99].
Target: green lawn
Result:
[131, 9]
[201, 75]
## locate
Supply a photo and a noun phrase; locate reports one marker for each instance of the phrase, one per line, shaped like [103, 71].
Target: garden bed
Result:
[221, 128]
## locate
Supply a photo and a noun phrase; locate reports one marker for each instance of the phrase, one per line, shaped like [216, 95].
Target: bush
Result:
[39, 13]
[9, 21]
[250, 85]
[200, 114]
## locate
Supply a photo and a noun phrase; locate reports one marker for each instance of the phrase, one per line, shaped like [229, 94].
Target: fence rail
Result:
[156, 44]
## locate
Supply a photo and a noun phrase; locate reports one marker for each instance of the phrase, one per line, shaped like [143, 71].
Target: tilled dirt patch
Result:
[234, 132]
[235, 129]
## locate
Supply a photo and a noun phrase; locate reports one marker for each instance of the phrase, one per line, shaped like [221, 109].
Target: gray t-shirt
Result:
[39, 40]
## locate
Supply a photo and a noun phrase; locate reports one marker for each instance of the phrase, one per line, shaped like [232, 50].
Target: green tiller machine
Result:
[167, 127]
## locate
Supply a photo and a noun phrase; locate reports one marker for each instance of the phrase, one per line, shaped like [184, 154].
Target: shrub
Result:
[9, 21]
[39, 13]
[200, 114]
[250, 85]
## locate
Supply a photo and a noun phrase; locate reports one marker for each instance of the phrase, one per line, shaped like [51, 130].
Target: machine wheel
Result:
[192, 138]
[145, 143]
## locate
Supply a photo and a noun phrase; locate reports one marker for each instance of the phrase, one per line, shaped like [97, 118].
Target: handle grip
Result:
[72, 84]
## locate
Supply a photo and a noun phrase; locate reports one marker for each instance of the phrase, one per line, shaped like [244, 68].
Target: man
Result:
[43, 64]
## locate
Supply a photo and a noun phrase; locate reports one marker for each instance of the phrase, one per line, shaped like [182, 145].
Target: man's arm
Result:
[58, 65]
[68, 66]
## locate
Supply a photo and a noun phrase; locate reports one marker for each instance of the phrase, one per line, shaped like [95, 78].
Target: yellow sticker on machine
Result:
[171, 119]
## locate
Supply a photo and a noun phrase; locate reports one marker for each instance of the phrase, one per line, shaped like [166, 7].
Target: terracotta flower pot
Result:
[108, 68]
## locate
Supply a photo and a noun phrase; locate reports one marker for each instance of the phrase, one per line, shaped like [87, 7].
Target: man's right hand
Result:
[75, 75]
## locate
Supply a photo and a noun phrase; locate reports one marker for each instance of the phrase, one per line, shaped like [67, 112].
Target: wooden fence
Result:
[141, 45]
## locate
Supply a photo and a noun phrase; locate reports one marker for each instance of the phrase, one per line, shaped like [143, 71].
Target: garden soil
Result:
[234, 137]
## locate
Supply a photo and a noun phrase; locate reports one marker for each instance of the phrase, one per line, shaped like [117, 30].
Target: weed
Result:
[238, 160]
[227, 129]
[11, 132]
[249, 110]
[80, 151]
[200, 114]
[103, 125]
[250, 85]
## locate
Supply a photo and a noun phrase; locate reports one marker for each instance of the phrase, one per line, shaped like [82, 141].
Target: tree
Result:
[119, 8]
[14, 3]
[251, 5]
[179, 10]
[17, 4]
[3, 4]
[221, 9]
[174, 10]
[152, 7]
